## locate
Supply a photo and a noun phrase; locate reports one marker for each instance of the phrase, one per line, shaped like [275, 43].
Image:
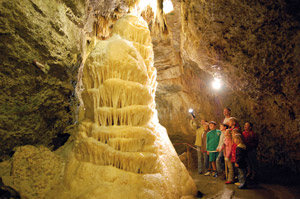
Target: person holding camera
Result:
[199, 143]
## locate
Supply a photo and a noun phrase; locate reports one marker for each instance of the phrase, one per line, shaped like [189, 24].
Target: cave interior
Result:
[251, 47]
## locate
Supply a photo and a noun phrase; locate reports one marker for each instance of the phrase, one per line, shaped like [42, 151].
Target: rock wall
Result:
[254, 48]
[40, 56]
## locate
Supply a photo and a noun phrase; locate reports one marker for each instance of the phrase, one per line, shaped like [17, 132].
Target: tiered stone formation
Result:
[120, 84]
[121, 150]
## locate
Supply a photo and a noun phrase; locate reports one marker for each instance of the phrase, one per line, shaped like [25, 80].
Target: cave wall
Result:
[40, 56]
[254, 48]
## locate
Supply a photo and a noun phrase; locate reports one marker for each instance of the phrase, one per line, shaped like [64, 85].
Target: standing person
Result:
[204, 149]
[240, 162]
[251, 141]
[198, 143]
[227, 114]
[212, 142]
[227, 156]
[233, 123]
[220, 158]
[234, 132]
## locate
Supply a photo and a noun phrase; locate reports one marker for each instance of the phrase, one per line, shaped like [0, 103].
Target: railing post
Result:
[188, 156]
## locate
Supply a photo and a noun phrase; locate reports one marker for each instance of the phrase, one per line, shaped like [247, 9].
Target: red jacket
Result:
[236, 127]
[250, 139]
[233, 152]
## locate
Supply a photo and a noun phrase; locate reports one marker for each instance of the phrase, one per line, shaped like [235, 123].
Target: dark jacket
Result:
[241, 154]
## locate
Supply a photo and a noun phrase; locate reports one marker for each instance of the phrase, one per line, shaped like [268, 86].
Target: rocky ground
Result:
[216, 188]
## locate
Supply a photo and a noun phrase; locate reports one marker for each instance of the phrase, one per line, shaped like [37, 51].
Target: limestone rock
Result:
[40, 56]
[121, 151]
[34, 171]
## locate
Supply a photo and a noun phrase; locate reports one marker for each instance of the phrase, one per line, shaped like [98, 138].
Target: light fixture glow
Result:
[167, 6]
[191, 110]
[142, 6]
[216, 83]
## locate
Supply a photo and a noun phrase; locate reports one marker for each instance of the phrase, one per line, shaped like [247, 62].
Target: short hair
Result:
[228, 109]
[213, 122]
[226, 125]
[233, 118]
[251, 125]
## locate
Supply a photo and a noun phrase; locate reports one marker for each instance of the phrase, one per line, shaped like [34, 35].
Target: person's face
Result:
[247, 126]
[230, 123]
[236, 141]
[205, 127]
[212, 126]
[226, 112]
[222, 127]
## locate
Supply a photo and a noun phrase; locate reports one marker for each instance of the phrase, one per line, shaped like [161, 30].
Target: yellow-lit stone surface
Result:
[34, 171]
[121, 150]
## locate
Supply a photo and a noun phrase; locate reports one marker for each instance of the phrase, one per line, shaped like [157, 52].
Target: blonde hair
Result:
[239, 138]
[235, 132]
[233, 119]
[229, 132]
[228, 136]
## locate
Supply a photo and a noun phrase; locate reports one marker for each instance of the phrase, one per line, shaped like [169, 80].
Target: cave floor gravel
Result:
[214, 188]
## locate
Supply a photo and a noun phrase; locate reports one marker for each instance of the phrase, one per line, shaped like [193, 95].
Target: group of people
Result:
[228, 152]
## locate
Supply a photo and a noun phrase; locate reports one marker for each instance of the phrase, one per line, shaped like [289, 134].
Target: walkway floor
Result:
[216, 188]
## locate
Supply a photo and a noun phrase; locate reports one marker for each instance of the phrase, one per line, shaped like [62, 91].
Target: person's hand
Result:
[236, 165]
[218, 150]
[207, 153]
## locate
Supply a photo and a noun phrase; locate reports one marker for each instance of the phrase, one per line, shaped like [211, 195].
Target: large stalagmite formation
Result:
[121, 150]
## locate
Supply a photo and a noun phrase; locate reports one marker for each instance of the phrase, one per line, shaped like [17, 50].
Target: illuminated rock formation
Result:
[121, 150]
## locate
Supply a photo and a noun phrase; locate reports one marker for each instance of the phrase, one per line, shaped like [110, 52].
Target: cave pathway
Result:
[215, 188]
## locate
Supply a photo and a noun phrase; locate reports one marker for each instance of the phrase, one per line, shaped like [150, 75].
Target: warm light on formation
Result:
[216, 83]
[143, 4]
[167, 6]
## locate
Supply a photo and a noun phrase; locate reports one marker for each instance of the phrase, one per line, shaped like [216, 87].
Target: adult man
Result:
[227, 114]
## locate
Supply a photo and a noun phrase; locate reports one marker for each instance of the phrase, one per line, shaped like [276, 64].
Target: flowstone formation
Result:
[121, 150]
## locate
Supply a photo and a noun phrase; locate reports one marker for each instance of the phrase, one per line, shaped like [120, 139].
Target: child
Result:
[251, 141]
[212, 141]
[227, 155]
[233, 123]
[233, 150]
[220, 158]
[240, 162]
